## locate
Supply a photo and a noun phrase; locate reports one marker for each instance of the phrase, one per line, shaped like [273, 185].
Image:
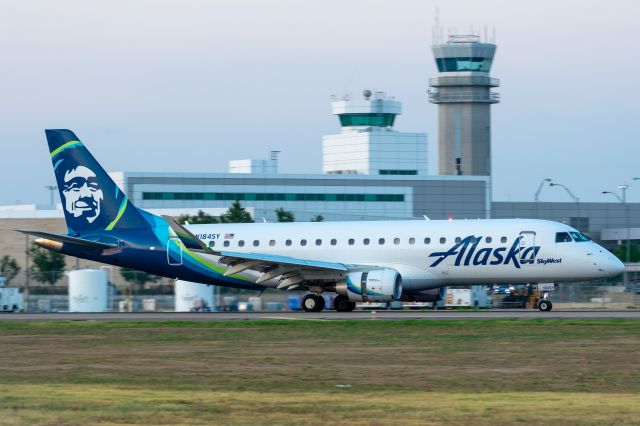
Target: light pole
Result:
[576, 199]
[623, 199]
[51, 189]
[536, 196]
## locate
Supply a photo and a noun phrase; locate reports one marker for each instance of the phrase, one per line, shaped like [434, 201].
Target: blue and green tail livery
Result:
[104, 225]
[90, 199]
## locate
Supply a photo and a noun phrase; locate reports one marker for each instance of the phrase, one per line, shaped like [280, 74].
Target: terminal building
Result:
[371, 171]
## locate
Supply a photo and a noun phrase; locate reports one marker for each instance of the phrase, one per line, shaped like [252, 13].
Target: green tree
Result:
[48, 265]
[8, 268]
[200, 218]
[137, 278]
[236, 214]
[285, 216]
[621, 252]
[317, 218]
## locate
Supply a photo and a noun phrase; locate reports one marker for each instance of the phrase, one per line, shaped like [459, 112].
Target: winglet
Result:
[189, 240]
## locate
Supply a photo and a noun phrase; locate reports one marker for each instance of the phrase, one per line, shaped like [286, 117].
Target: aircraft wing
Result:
[270, 260]
[291, 271]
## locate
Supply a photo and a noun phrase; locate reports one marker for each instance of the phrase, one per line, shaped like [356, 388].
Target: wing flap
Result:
[273, 259]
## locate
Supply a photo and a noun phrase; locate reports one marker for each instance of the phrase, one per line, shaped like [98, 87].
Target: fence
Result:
[569, 295]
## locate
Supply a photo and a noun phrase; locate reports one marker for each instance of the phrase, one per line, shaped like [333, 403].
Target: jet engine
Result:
[433, 295]
[381, 285]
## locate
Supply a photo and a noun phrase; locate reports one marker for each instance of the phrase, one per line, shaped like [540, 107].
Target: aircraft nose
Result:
[612, 265]
[616, 267]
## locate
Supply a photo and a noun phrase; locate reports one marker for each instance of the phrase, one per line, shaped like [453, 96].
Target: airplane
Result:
[368, 261]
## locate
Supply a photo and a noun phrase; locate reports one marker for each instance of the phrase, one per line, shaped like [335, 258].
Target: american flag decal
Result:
[228, 236]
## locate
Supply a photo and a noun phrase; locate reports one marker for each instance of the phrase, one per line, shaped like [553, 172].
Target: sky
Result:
[186, 86]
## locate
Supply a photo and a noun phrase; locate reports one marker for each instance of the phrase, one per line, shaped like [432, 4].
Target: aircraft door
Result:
[174, 251]
[528, 250]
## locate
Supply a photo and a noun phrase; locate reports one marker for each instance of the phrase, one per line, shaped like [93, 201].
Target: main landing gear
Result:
[545, 305]
[313, 302]
[343, 304]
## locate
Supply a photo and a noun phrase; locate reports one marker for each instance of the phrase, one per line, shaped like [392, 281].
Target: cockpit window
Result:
[579, 237]
[563, 237]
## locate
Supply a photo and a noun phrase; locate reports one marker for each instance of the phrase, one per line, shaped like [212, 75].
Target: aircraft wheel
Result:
[342, 303]
[313, 303]
[544, 306]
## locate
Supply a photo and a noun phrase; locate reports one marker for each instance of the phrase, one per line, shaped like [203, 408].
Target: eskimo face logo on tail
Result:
[82, 194]
[467, 253]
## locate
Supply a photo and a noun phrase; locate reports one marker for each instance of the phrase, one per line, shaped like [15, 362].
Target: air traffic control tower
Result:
[368, 144]
[463, 93]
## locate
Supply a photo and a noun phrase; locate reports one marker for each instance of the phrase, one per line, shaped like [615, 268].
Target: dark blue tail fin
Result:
[92, 202]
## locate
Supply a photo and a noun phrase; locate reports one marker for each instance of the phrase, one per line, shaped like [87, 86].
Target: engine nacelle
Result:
[381, 285]
[433, 295]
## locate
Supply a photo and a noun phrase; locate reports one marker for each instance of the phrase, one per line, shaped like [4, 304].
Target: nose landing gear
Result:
[544, 305]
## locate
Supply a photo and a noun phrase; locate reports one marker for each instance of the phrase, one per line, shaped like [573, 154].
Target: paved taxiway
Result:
[328, 315]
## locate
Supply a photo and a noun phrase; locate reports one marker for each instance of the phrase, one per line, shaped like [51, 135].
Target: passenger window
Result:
[318, 242]
[381, 241]
[226, 243]
[272, 243]
[287, 243]
[241, 243]
[334, 242]
[303, 242]
[366, 241]
[563, 237]
[256, 243]
[488, 240]
[443, 240]
[427, 240]
[503, 239]
[351, 241]
[458, 239]
[212, 243]
[396, 241]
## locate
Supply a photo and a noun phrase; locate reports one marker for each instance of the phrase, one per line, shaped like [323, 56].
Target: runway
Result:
[327, 315]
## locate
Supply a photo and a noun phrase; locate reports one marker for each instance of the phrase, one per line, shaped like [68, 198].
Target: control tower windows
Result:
[463, 64]
[398, 172]
[378, 120]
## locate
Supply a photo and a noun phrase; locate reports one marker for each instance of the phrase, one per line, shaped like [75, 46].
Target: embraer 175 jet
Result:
[360, 261]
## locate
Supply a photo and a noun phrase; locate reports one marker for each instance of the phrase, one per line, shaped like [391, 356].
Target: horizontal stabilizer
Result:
[67, 239]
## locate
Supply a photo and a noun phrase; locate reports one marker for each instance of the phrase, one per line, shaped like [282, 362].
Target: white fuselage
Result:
[429, 253]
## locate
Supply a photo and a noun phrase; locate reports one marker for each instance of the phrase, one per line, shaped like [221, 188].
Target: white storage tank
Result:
[192, 296]
[88, 290]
